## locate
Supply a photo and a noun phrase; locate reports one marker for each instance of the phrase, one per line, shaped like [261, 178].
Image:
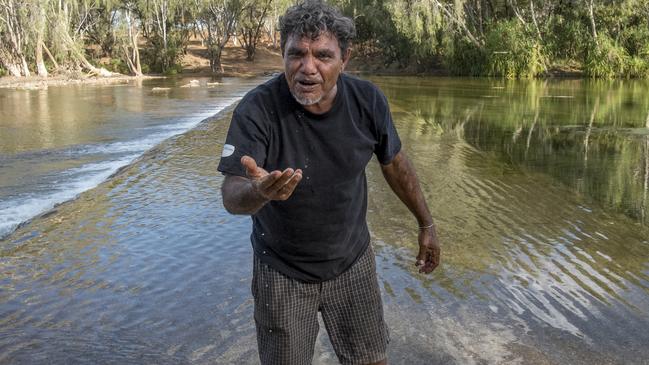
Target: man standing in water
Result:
[295, 159]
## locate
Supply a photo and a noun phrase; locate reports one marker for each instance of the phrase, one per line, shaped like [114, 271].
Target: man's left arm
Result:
[401, 176]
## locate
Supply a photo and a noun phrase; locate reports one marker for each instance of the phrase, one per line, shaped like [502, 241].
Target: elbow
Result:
[232, 207]
[229, 205]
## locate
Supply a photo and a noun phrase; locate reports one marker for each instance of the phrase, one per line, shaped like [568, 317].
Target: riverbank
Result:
[194, 63]
[268, 60]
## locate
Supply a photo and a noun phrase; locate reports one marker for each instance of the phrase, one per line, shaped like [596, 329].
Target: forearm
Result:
[401, 176]
[239, 196]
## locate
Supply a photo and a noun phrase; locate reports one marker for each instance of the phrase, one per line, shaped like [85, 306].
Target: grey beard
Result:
[305, 101]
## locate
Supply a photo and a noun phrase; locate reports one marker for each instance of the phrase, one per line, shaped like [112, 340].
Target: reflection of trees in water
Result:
[587, 134]
[489, 167]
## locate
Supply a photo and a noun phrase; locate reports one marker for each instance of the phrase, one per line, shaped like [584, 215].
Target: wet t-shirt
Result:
[321, 229]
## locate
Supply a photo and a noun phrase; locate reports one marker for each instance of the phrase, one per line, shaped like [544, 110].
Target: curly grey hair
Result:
[314, 17]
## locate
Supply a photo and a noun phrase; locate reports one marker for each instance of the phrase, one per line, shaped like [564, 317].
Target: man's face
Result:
[312, 67]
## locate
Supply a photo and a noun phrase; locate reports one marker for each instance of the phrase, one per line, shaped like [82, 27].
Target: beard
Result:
[305, 101]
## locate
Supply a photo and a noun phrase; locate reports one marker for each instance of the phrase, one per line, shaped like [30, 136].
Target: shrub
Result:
[464, 57]
[512, 52]
[635, 40]
[118, 65]
[637, 67]
[605, 59]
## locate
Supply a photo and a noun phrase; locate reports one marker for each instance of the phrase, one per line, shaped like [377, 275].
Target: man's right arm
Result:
[239, 196]
[246, 195]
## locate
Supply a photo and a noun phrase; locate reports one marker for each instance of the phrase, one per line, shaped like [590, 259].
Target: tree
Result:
[13, 34]
[127, 33]
[220, 18]
[251, 23]
[69, 24]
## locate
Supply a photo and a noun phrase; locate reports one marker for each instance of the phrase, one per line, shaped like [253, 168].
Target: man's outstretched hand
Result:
[429, 250]
[275, 185]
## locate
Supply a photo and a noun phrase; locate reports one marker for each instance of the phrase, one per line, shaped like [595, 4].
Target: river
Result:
[539, 189]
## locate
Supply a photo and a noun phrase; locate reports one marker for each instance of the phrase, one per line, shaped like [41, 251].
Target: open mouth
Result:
[307, 83]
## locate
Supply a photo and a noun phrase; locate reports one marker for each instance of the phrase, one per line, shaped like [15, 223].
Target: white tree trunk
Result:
[41, 70]
[591, 15]
[7, 62]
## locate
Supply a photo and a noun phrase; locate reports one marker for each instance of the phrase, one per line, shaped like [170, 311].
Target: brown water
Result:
[538, 188]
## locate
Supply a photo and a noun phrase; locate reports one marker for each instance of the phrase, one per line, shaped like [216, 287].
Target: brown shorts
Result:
[286, 315]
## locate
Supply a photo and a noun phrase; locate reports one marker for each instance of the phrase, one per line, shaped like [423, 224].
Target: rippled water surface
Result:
[539, 189]
[60, 141]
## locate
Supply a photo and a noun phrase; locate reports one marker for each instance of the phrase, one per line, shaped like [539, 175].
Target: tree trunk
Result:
[591, 15]
[25, 66]
[536, 24]
[39, 18]
[41, 70]
[9, 64]
[215, 59]
[132, 59]
[49, 54]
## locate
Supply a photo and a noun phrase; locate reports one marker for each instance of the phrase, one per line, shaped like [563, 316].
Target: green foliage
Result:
[605, 58]
[172, 70]
[637, 67]
[3, 72]
[565, 37]
[477, 37]
[512, 52]
[635, 40]
[118, 65]
[465, 58]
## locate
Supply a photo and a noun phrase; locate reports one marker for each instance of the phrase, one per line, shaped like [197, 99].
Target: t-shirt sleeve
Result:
[388, 143]
[246, 137]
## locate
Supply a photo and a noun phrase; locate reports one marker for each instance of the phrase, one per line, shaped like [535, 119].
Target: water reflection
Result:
[590, 135]
[540, 193]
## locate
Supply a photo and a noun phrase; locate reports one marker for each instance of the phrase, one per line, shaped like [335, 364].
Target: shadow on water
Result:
[542, 264]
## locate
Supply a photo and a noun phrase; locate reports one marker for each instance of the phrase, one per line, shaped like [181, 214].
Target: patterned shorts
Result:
[286, 315]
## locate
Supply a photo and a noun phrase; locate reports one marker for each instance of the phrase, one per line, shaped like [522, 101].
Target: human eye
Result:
[325, 56]
[294, 53]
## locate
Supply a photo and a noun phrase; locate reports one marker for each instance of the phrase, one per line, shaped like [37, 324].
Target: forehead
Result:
[323, 40]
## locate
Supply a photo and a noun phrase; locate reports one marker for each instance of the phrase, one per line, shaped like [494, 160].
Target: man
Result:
[295, 159]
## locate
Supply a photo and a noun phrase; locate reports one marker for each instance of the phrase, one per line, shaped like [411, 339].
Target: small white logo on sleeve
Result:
[228, 150]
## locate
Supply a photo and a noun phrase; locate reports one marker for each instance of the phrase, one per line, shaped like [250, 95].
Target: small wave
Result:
[21, 209]
[79, 179]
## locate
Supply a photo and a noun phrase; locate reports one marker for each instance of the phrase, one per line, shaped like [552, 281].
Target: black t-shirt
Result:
[321, 229]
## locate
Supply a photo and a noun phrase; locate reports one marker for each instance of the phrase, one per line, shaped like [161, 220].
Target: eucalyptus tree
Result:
[250, 25]
[69, 24]
[14, 23]
[270, 22]
[127, 33]
[157, 17]
[219, 18]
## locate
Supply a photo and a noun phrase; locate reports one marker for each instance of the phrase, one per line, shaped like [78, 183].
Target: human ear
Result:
[346, 56]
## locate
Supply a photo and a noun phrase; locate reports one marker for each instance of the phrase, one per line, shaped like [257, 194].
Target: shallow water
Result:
[540, 204]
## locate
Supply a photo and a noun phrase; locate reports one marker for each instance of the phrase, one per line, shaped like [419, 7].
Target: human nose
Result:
[308, 65]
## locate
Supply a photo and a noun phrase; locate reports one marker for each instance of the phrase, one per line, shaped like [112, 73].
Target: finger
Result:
[287, 190]
[250, 165]
[267, 181]
[431, 262]
[282, 180]
[421, 256]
